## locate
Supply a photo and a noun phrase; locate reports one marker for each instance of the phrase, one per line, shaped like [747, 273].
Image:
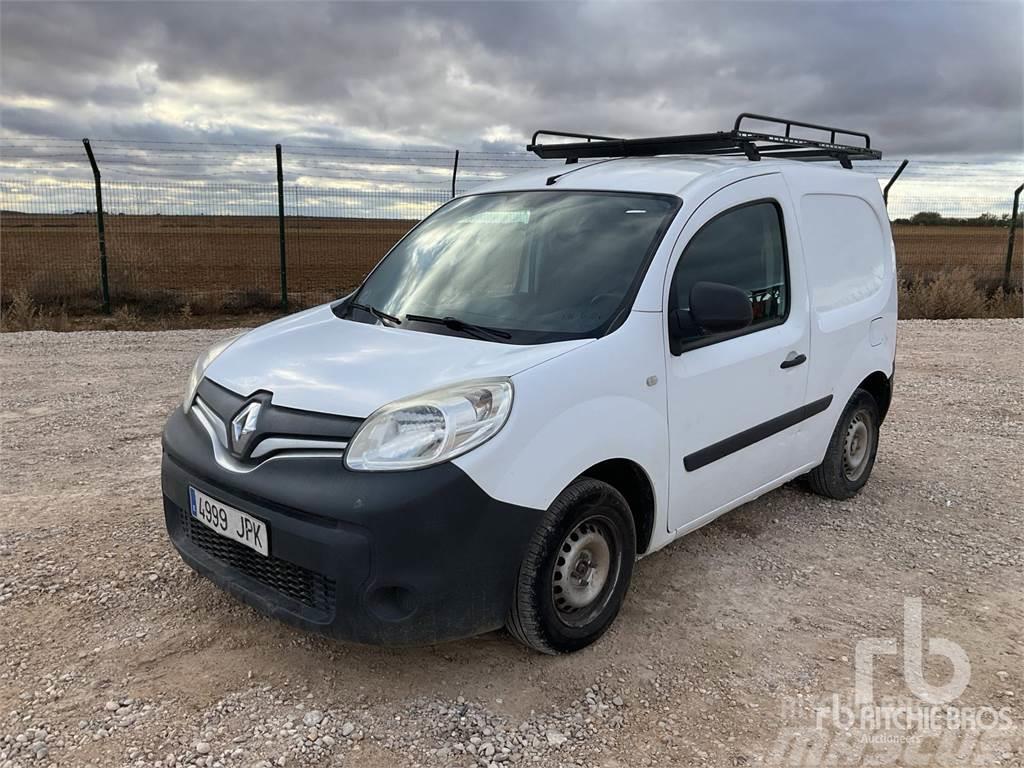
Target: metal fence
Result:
[978, 235]
[212, 247]
[205, 247]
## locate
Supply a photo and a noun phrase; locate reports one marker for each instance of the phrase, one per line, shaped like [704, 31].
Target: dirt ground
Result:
[729, 645]
[160, 264]
[211, 263]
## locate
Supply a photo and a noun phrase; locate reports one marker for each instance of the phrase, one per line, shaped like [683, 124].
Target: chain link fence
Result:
[970, 233]
[215, 248]
[208, 248]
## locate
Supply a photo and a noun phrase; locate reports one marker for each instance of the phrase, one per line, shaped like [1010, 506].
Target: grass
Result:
[955, 294]
[221, 271]
[22, 313]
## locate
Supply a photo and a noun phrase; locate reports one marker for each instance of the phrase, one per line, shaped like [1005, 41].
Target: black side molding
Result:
[748, 437]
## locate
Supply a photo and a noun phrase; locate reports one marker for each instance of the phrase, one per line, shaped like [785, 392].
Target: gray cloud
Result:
[935, 78]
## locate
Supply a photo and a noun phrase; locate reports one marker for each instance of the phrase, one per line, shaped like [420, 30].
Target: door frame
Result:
[720, 337]
[797, 299]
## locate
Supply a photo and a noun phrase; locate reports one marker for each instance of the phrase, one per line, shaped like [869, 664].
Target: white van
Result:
[543, 381]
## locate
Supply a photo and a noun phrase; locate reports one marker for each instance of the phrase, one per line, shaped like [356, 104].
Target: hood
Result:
[315, 361]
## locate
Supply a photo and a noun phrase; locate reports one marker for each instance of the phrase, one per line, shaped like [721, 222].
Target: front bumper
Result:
[406, 558]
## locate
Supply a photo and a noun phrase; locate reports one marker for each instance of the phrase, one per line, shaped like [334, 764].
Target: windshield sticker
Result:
[501, 217]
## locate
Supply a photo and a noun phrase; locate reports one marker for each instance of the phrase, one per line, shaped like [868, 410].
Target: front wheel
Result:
[851, 451]
[576, 570]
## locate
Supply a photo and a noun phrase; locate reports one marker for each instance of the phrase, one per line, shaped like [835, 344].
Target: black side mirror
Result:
[714, 308]
[719, 308]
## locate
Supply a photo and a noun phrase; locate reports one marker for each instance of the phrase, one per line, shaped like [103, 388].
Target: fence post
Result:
[1009, 239]
[885, 192]
[455, 171]
[104, 284]
[280, 229]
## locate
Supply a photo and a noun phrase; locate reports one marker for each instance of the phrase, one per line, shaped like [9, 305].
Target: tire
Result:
[851, 451]
[557, 609]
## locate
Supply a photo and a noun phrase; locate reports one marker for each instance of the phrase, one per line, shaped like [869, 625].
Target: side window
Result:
[742, 247]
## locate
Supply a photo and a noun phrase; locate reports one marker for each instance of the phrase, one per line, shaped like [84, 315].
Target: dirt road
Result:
[731, 640]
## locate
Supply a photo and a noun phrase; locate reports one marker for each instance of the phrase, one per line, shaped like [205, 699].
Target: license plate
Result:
[229, 522]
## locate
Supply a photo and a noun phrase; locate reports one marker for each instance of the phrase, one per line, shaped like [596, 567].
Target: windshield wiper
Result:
[379, 314]
[458, 325]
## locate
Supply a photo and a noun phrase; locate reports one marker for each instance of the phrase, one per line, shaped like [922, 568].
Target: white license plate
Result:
[229, 522]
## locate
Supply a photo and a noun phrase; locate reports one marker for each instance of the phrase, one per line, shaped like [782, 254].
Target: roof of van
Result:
[669, 174]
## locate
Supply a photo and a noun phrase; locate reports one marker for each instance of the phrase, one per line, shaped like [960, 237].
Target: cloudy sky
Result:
[936, 79]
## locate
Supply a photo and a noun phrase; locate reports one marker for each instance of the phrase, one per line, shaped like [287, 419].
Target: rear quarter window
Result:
[845, 250]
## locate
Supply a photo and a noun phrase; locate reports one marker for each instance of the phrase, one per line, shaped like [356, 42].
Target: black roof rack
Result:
[753, 144]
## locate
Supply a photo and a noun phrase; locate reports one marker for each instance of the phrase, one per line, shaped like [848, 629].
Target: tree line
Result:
[934, 218]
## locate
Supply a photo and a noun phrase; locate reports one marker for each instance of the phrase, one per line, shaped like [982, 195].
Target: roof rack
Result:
[753, 144]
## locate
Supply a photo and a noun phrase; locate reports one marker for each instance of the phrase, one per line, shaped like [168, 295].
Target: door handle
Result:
[793, 360]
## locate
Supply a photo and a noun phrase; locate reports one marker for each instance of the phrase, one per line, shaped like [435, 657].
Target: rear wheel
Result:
[576, 570]
[851, 451]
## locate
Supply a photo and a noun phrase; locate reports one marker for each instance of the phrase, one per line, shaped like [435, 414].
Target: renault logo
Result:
[243, 427]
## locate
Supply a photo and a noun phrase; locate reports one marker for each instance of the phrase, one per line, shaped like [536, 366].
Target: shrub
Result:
[1005, 303]
[23, 314]
[956, 294]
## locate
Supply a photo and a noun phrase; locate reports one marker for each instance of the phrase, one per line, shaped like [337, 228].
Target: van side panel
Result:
[851, 270]
[604, 400]
[844, 233]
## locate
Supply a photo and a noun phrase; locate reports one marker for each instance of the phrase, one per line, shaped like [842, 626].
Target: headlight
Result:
[430, 428]
[199, 369]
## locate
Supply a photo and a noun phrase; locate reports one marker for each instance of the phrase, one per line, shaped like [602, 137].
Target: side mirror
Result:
[719, 308]
[714, 308]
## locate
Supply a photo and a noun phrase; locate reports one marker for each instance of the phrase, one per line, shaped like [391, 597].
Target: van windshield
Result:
[539, 265]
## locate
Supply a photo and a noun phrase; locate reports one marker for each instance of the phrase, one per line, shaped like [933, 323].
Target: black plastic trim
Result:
[794, 362]
[414, 557]
[748, 437]
[888, 400]
[276, 420]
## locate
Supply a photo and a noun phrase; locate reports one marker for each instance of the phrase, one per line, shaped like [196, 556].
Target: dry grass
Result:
[23, 314]
[957, 294]
[217, 264]
[215, 271]
[952, 295]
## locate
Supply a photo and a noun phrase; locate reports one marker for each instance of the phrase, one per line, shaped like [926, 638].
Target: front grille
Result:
[301, 584]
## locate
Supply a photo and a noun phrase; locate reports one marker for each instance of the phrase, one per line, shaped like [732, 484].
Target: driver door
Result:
[734, 398]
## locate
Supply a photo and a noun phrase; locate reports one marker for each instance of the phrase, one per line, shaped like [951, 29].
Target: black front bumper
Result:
[405, 558]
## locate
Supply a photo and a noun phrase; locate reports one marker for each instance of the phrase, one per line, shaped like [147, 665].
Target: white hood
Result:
[315, 361]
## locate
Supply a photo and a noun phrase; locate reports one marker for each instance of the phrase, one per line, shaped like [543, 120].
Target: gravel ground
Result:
[115, 653]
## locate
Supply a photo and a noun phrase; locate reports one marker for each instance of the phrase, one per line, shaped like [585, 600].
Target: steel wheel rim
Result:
[585, 571]
[857, 446]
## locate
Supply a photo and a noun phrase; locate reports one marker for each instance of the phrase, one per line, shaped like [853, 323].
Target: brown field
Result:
[924, 251]
[217, 264]
[211, 262]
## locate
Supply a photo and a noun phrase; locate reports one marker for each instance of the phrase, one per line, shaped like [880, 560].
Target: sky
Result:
[940, 82]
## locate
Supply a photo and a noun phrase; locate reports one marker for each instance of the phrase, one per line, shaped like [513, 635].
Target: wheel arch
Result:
[880, 387]
[632, 481]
